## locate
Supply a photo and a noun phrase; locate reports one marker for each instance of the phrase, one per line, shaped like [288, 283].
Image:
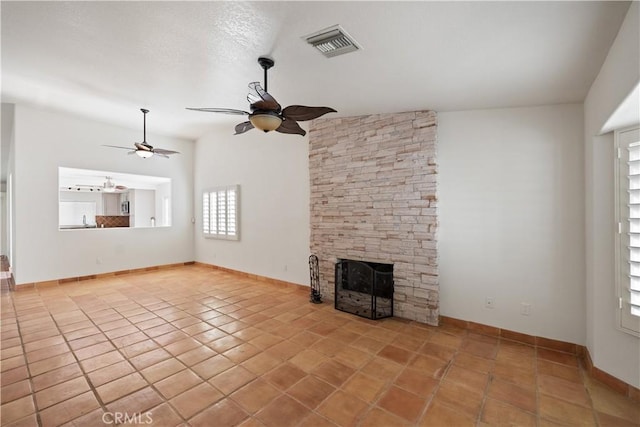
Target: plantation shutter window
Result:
[220, 212]
[206, 218]
[628, 236]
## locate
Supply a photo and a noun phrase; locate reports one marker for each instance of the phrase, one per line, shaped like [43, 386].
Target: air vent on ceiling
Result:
[332, 41]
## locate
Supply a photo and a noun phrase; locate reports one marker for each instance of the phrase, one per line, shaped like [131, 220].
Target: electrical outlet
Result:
[525, 309]
[98, 260]
[285, 267]
[489, 302]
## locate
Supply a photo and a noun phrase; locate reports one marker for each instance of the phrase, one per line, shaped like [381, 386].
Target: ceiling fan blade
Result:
[260, 99]
[163, 151]
[243, 127]
[132, 152]
[220, 110]
[301, 112]
[160, 154]
[117, 146]
[291, 126]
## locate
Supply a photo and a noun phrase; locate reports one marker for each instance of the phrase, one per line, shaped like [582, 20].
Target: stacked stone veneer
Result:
[373, 198]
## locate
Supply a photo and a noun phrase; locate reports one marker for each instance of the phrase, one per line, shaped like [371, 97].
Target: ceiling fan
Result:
[110, 187]
[143, 149]
[266, 114]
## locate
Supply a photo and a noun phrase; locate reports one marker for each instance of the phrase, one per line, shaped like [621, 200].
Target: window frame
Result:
[625, 321]
[231, 222]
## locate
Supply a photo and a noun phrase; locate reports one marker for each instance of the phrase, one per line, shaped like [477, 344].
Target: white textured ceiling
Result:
[106, 60]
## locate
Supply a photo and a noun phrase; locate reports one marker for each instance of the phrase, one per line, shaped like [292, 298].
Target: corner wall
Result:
[272, 170]
[511, 219]
[613, 351]
[45, 140]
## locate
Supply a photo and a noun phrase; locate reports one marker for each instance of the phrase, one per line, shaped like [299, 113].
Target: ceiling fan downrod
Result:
[266, 63]
[144, 125]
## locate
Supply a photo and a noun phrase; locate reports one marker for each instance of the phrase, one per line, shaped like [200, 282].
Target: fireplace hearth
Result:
[364, 288]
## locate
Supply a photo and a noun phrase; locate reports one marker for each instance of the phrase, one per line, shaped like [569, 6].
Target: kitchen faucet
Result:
[84, 220]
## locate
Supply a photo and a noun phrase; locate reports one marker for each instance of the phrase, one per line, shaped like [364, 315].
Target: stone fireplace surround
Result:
[373, 198]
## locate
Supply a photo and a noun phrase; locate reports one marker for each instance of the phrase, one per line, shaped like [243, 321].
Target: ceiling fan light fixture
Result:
[144, 153]
[265, 121]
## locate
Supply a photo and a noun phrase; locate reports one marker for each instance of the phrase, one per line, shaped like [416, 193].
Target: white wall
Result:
[510, 207]
[44, 141]
[162, 218]
[3, 223]
[71, 216]
[611, 350]
[273, 173]
[9, 141]
[143, 203]
[6, 145]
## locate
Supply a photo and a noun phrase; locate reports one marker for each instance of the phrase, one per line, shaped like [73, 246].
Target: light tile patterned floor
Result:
[195, 346]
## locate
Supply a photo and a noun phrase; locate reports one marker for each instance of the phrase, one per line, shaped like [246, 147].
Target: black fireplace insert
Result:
[364, 288]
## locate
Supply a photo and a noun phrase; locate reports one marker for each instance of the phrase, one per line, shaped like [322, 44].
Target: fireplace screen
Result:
[364, 288]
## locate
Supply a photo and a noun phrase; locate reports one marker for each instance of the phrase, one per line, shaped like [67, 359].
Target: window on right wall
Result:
[627, 211]
[220, 212]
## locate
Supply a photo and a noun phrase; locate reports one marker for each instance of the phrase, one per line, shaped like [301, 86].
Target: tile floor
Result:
[199, 347]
